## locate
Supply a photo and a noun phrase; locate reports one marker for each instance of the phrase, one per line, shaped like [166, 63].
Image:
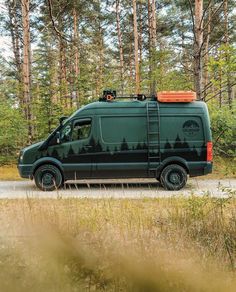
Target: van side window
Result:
[81, 130]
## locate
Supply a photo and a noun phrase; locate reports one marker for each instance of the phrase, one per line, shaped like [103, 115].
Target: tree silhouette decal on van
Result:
[139, 146]
[185, 151]
[178, 143]
[71, 151]
[167, 145]
[55, 154]
[185, 144]
[124, 146]
[115, 154]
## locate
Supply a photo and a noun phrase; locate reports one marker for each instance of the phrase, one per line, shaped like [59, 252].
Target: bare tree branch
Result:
[193, 21]
[59, 33]
[214, 14]
[204, 12]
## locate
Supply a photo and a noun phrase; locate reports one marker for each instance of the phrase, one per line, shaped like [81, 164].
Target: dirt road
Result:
[116, 189]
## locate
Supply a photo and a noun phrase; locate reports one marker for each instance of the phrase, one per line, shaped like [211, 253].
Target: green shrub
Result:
[13, 134]
[223, 124]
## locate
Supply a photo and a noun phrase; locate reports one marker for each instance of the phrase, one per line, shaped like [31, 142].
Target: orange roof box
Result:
[176, 96]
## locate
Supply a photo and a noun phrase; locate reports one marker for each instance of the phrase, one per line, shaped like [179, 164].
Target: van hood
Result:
[33, 146]
[30, 153]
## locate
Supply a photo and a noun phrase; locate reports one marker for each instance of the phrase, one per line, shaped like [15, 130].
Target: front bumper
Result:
[25, 170]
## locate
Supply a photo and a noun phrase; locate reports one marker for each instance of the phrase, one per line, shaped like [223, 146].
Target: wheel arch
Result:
[172, 160]
[47, 160]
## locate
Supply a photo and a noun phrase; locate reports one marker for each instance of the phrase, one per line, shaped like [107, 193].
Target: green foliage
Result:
[223, 124]
[223, 64]
[13, 131]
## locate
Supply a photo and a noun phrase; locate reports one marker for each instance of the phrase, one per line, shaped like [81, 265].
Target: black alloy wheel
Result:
[48, 178]
[173, 177]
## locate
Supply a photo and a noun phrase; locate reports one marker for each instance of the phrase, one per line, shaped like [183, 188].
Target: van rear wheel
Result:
[48, 178]
[173, 177]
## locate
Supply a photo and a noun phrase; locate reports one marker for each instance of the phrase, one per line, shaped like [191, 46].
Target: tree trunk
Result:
[101, 61]
[206, 59]
[14, 29]
[198, 42]
[136, 59]
[140, 38]
[99, 41]
[220, 94]
[226, 41]
[63, 73]
[76, 55]
[15, 40]
[226, 22]
[53, 76]
[120, 45]
[131, 79]
[152, 44]
[26, 68]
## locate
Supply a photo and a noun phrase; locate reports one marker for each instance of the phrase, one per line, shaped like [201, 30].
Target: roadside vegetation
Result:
[174, 244]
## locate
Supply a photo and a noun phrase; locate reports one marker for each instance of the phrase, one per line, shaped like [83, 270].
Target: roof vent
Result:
[176, 96]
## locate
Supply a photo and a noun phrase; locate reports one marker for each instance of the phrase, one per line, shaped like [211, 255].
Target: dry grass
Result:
[173, 244]
[9, 172]
[223, 168]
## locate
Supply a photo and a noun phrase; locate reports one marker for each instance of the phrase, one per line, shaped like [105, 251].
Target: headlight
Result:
[21, 156]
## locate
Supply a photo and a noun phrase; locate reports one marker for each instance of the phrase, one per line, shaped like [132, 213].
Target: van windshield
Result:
[50, 139]
[65, 121]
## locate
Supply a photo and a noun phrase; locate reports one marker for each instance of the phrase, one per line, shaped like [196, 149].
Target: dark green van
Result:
[124, 139]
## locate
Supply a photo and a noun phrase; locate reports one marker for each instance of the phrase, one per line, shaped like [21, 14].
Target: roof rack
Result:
[109, 95]
[161, 96]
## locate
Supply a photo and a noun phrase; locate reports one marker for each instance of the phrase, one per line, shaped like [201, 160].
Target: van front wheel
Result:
[173, 177]
[48, 178]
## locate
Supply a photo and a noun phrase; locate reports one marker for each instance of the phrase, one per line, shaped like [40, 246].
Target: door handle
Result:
[88, 146]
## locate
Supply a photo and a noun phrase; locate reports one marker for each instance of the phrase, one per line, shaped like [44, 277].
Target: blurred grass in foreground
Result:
[174, 244]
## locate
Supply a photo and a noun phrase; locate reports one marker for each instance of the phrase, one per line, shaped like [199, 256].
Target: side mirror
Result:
[58, 137]
[62, 119]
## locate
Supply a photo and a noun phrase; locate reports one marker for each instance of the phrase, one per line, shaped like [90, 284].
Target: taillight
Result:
[209, 151]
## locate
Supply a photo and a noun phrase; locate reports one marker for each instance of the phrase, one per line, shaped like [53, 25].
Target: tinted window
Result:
[116, 129]
[81, 130]
[78, 130]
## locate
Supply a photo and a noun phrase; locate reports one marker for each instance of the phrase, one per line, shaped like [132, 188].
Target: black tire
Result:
[173, 177]
[48, 178]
